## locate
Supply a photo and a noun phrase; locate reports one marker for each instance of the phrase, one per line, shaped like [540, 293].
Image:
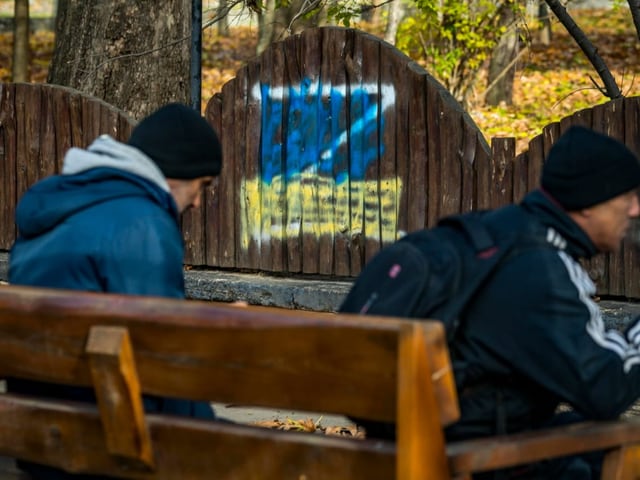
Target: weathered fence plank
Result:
[371, 99]
[614, 119]
[340, 155]
[631, 254]
[416, 177]
[450, 168]
[434, 165]
[250, 182]
[47, 166]
[502, 154]
[520, 176]
[393, 157]
[227, 219]
[483, 168]
[244, 195]
[469, 147]
[536, 158]
[598, 266]
[213, 210]
[62, 124]
[8, 189]
[330, 95]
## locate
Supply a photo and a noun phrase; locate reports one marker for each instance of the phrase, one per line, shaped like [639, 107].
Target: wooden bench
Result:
[375, 368]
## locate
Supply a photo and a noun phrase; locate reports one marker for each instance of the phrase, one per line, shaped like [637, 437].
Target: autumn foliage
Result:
[552, 81]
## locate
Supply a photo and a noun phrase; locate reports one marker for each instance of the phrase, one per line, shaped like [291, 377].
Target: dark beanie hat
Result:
[180, 141]
[585, 168]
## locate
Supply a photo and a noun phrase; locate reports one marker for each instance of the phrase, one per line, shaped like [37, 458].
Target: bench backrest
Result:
[384, 369]
[374, 368]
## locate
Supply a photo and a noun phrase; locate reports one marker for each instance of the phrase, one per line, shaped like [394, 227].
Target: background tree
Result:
[21, 53]
[134, 55]
[502, 64]
[278, 19]
[396, 12]
[455, 38]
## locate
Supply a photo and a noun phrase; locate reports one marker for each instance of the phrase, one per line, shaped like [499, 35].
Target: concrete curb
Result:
[322, 295]
[255, 289]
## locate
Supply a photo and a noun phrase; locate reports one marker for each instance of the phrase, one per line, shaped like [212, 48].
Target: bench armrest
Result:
[518, 449]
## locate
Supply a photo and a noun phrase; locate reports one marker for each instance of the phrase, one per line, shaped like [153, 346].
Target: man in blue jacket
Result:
[534, 338]
[110, 223]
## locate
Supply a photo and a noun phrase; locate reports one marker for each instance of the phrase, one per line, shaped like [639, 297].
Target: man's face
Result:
[188, 193]
[607, 223]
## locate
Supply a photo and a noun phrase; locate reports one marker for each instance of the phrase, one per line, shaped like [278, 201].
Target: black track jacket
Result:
[533, 337]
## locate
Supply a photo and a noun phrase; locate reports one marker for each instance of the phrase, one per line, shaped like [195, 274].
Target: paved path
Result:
[243, 414]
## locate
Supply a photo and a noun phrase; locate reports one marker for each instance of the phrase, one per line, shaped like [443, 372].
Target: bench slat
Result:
[70, 436]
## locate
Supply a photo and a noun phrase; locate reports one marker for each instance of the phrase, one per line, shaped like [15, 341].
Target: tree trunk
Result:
[544, 20]
[266, 21]
[21, 53]
[634, 6]
[276, 23]
[223, 18]
[396, 13]
[502, 67]
[134, 55]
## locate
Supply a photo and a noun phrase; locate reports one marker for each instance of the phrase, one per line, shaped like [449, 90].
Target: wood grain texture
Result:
[117, 389]
[70, 437]
[420, 438]
[267, 355]
[369, 367]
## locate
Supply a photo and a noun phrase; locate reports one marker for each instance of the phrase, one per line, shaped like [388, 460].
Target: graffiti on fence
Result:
[317, 142]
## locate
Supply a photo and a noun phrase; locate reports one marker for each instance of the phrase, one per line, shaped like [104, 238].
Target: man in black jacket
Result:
[534, 338]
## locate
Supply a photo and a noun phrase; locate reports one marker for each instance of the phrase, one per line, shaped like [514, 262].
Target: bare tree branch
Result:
[366, 8]
[307, 6]
[611, 89]
[634, 6]
[223, 12]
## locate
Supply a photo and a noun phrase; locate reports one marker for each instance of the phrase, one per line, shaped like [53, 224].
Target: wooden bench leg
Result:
[117, 389]
[420, 440]
[622, 464]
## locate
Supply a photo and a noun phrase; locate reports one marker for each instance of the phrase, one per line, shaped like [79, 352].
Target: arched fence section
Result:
[335, 144]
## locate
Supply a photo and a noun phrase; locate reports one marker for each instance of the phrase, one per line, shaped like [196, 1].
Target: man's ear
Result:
[585, 212]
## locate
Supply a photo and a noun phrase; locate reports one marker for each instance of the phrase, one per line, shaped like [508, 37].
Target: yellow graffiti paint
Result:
[309, 204]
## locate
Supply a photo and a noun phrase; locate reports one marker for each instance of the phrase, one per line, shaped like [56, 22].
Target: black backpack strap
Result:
[473, 227]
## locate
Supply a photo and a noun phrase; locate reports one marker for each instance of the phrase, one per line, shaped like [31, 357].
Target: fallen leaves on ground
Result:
[310, 426]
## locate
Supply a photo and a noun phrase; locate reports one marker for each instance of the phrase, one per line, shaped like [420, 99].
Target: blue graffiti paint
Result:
[315, 123]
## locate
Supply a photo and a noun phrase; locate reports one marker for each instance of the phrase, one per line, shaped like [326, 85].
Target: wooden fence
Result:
[335, 144]
[38, 124]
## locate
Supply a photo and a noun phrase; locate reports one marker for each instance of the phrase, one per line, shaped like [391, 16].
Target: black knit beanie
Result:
[585, 168]
[180, 141]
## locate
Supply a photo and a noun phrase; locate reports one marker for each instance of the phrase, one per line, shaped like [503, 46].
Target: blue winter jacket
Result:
[106, 224]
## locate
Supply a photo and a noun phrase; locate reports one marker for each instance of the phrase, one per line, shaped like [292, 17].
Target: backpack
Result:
[434, 273]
